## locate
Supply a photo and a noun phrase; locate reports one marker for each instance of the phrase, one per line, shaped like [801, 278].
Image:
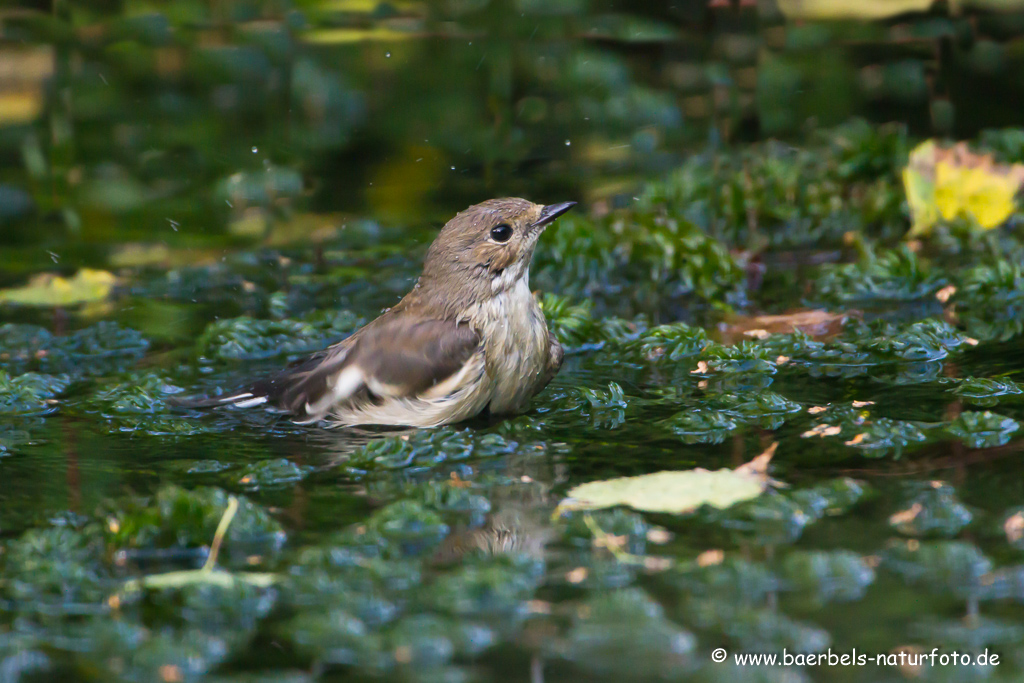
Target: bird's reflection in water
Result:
[521, 504]
[512, 530]
[338, 445]
[520, 512]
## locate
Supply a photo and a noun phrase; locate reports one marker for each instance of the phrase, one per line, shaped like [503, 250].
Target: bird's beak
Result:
[551, 212]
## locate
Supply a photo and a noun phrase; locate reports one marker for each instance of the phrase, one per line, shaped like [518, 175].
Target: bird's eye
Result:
[501, 233]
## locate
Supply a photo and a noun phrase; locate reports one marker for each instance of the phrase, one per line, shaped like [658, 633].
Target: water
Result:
[288, 154]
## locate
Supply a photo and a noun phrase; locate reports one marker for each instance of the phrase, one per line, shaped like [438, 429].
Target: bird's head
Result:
[486, 249]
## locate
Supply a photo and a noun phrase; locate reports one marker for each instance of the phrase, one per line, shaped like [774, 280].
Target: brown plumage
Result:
[468, 338]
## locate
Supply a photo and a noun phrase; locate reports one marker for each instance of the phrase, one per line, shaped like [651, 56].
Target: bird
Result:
[469, 339]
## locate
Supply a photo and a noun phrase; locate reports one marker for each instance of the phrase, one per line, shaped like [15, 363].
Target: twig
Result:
[218, 536]
[208, 573]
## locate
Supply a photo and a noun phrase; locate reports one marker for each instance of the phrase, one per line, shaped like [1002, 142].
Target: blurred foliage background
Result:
[192, 122]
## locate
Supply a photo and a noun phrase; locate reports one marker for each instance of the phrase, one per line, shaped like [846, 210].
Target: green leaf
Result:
[676, 492]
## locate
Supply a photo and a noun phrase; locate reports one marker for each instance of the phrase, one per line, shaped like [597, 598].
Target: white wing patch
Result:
[453, 383]
[383, 388]
[339, 389]
[457, 398]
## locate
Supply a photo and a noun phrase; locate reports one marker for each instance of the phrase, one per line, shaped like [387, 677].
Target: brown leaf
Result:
[578, 575]
[171, 674]
[759, 465]
[944, 294]
[710, 558]
[906, 516]
[815, 323]
[1014, 527]
[659, 536]
[538, 607]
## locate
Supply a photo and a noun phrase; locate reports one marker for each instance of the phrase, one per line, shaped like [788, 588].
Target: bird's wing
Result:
[391, 358]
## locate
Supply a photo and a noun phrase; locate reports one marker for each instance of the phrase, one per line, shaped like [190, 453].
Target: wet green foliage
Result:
[983, 430]
[427, 449]
[55, 571]
[248, 339]
[893, 276]
[135, 394]
[211, 155]
[625, 633]
[180, 524]
[432, 554]
[991, 301]
[30, 393]
[721, 414]
[987, 392]
[99, 349]
[792, 197]
[958, 567]
[640, 257]
[837, 576]
[931, 509]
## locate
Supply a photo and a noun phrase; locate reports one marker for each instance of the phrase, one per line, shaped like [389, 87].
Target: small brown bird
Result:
[468, 339]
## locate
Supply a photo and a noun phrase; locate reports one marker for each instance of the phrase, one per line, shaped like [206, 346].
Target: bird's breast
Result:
[515, 339]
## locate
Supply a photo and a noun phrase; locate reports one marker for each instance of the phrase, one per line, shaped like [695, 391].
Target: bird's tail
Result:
[239, 399]
[287, 391]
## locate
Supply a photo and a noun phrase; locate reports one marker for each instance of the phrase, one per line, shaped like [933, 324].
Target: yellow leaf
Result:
[362, 6]
[953, 182]
[989, 197]
[335, 36]
[20, 106]
[948, 190]
[369, 6]
[48, 289]
[850, 9]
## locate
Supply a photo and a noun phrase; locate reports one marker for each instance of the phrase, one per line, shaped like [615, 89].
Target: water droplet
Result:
[453, 168]
[568, 142]
[255, 149]
[388, 55]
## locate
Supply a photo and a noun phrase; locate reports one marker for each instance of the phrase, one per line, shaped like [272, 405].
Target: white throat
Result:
[516, 276]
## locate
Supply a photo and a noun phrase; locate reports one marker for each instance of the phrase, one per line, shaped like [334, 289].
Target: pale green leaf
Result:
[676, 492]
